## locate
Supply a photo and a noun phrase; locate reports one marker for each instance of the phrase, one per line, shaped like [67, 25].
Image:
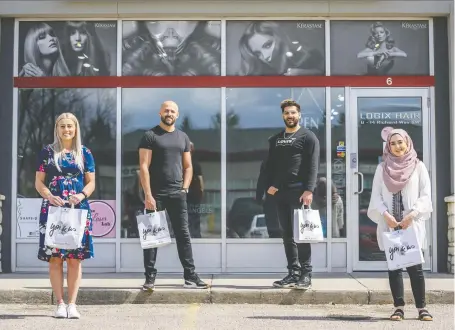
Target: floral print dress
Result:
[70, 181]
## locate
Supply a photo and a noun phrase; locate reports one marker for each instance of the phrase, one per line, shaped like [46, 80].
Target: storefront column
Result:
[2, 198]
[6, 136]
[452, 92]
[450, 200]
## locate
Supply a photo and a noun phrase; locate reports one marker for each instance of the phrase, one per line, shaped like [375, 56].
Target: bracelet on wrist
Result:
[85, 195]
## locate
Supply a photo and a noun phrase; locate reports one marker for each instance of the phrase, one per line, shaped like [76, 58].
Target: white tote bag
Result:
[402, 248]
[307, 226]
[153, 229]
[65, 227]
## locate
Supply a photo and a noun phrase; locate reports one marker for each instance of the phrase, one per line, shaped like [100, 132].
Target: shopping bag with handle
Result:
[65, 227]
[402, 248]
[307, 226]
[153, 229]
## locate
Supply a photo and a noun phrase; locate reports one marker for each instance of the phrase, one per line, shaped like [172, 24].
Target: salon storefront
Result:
[355, 68]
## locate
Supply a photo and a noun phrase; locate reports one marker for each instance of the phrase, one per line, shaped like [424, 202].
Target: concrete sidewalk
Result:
[125, 288]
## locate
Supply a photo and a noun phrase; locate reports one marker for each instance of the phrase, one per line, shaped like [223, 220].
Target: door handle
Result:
[361, 183]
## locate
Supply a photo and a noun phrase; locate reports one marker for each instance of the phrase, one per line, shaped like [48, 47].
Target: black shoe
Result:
[304, 282]
[194, 282]
[288, 282]
[149, 284]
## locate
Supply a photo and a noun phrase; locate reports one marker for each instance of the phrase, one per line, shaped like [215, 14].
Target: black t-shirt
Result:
[293, 159]
[166, 168]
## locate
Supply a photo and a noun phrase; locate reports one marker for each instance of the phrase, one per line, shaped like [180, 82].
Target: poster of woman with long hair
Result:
[379, 48]
[293, 48]
[67, 48]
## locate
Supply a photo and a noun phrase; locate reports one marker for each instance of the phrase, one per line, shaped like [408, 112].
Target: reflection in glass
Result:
[253, 115]
[171, 48]
[338, 118]
[200, 119]
[375, 113]
[96, 111]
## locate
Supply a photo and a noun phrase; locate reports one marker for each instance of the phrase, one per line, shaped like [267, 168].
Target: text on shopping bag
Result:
[152, 230]
[61, 229]
[400, 249]
[308, 226]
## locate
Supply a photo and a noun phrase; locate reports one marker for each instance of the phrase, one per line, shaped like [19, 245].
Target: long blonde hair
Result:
[76, 145]
[33, 55]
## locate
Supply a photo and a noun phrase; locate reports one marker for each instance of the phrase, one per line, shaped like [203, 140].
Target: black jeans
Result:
[271, 217]
[175, 205]
[417, 285]
[298, 255]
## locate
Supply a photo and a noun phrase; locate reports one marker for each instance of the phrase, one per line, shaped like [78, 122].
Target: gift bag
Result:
[402, 248]
[307, 226]
[65, 227]
[153, 229]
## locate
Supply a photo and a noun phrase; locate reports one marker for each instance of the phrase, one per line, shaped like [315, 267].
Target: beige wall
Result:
[110, 9]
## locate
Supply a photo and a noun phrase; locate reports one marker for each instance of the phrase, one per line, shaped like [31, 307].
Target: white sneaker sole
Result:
[60, 316]
[302, 288]
[287, 286]
[194, 286]
[148, 289]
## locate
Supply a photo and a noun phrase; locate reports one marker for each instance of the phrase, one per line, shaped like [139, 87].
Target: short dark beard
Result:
[294, 124]
[163, 120]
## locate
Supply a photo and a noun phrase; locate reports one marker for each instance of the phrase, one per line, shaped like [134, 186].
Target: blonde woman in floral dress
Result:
[65, 175]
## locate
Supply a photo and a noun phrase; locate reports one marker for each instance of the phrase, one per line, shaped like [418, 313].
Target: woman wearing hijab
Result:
[401, 197]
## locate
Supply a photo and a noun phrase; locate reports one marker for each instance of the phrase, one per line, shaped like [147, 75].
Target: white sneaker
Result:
[72, 312]
[61, 312]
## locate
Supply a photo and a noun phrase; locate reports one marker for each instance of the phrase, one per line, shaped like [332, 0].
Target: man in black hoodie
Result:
[293, 163]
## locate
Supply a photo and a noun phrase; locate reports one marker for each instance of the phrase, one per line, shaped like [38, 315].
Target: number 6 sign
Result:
[389, 81]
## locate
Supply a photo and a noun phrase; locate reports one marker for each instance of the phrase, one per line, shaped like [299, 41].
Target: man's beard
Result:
[291, 124]
[163, 120]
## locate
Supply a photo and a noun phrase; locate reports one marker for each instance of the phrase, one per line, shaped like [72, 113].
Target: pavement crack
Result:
[368, 290]
[210, 289]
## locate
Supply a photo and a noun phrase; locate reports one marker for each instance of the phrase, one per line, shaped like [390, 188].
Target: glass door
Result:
[370, 111]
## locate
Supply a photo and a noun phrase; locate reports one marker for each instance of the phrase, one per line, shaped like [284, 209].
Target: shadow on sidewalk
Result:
[19, 317]
[336, 318]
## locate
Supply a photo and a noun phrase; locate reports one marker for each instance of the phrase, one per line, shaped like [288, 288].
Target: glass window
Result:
[171, 48]
[293, 48]
[95, 110]
[199, 118]
[253, 115]
[379, 48]
[338, 184]
[67, 48]
[374, 114]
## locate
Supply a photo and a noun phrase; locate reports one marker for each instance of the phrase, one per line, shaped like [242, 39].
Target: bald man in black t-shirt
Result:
[166, 172]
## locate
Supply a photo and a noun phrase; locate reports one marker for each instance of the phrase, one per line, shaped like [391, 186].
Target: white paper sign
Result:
[27, 217]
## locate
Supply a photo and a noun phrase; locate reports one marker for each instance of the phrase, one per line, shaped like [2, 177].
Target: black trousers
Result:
[417, 285]
[271, 217]
[175, 205]
[298, 255]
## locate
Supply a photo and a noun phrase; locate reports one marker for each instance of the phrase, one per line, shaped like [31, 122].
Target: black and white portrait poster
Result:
[67, 48]
[378, 48]
[267, 48]
[171, 48]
